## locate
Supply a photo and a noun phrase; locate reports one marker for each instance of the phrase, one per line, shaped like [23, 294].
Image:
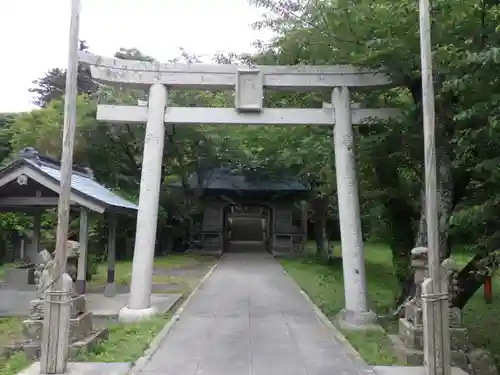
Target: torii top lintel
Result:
[223, 76]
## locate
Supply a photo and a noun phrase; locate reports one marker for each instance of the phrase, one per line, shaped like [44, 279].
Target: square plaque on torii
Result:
[249, 90]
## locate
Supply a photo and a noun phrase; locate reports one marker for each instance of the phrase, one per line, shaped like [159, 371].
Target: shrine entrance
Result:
[248, 83]
[248, 228]
[247, 223]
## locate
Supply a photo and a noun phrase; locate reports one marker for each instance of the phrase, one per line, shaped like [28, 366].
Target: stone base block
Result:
[80, 327]
[354, 320]
[416, 370]
[85, 368]
[110, 290]
[20, 278]
[88, 343]
[78, 305]
[481, 362]
[212, 252]
[415, 357]
[459, 339]
[407, 355]
[413, 337]
[128, 315]
[32, 349]
[278, 254]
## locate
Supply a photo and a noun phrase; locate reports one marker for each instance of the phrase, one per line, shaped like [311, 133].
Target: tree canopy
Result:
[383, 35]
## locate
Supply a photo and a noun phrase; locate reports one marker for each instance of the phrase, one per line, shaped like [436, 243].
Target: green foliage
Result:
[52, 85]
[384, 35]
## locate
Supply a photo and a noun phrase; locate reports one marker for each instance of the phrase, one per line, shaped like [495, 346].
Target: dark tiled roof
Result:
[227, 179]
[82, 179]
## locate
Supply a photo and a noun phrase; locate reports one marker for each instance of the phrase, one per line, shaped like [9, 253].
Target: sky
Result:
[34, 34]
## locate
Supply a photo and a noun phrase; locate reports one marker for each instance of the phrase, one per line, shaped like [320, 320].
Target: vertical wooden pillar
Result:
[437, 358]
[22, 247]
[37, 222]
[81, 279]
[55, 334]
[304, 210]
[488, 290]
[110, 290]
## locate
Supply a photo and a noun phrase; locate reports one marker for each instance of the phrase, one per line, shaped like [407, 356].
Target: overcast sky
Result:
[34, 34]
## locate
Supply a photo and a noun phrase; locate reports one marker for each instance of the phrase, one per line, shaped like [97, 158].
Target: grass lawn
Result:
[123, 269]
[3, 268]
[323, 283]
[11, 330]
[128, 342]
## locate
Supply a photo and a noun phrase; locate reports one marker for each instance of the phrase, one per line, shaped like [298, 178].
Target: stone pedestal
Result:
[20, 277]
[409, 343]
[82, 335]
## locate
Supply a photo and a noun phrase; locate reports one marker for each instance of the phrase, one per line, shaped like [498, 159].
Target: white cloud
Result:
[34, 34]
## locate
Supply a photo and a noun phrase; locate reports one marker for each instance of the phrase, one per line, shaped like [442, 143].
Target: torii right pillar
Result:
[356, 313]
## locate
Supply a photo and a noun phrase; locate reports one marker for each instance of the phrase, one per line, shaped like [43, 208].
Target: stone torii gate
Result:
[249, 83]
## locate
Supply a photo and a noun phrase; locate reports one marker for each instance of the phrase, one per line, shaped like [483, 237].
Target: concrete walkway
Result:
[250, 319]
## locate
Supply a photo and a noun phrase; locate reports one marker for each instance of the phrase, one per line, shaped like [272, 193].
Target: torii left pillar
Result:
[139, 305]
[356, 313]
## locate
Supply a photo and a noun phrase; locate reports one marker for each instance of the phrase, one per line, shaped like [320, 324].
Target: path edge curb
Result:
[139, 365]
[337, 334]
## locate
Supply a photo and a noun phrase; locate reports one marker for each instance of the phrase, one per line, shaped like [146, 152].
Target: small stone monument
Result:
[82, 335]
[409, 343]
[73, 252]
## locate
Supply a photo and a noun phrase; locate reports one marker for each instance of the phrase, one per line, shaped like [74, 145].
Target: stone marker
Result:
[80, 333]
[409, 343]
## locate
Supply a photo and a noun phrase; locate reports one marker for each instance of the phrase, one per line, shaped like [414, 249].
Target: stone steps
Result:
[246, 247]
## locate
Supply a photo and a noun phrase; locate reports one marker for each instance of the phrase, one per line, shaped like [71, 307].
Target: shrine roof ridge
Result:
[32, 155]
[229, 179]
[47, 172]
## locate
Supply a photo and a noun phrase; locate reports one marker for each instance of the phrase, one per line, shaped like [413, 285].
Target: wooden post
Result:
[37, 220]
[488, 290]
[81, 279]
[110, 290]
[436, 340]
[22, 248]
[55, 335]
[304, 210]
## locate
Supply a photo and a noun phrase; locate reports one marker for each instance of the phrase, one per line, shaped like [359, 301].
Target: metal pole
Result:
[440, 365]
[54, 346]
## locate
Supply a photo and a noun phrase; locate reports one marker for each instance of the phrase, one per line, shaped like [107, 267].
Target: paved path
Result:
[250, 319]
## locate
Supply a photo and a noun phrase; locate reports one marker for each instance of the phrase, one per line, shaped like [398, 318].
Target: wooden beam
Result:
[31, 202]
[223, 76]
[81, 279]
[110, 289]
[222, 116]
